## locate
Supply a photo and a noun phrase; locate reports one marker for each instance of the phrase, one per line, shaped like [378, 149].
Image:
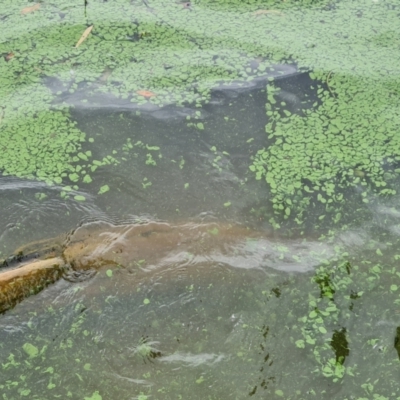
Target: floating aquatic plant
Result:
[347, 138]
[166, 53]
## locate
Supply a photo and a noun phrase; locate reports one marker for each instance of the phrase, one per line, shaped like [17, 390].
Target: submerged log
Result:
[16, 284]
[153, 247]
[95, 245]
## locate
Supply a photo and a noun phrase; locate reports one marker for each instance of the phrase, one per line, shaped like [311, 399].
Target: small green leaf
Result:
[87, 179]
[95, 396]
[30, 350]
[104, 189]
[313, 314]
[154, 148]
[82, 156]
[74, 177]
[40, 196]
[200, 380]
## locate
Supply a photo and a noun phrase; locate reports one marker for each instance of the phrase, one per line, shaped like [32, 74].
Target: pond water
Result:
[269, 127]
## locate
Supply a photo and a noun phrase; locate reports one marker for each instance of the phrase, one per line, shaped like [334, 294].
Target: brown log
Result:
[129, 245]
[136, 246]
[16, 284]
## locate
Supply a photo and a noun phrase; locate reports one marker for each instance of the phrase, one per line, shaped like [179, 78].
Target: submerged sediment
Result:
[151, 248]
[95, 245]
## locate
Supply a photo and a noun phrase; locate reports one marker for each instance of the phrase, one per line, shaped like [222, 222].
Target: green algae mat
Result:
[342, 133]
[326, 74]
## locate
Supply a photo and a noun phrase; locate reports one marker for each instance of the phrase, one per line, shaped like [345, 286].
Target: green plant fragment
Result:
[80, 198]
[74, 177]
[87, 179]
[94, 396]
[31, 350]
[104, 189]
[214, 231]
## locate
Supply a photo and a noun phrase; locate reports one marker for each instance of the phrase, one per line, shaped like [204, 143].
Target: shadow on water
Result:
[340, 345]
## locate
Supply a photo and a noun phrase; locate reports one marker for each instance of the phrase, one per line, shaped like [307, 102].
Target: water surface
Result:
[157, 119]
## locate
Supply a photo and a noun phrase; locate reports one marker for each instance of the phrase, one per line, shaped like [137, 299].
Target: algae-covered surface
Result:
[279, 116]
